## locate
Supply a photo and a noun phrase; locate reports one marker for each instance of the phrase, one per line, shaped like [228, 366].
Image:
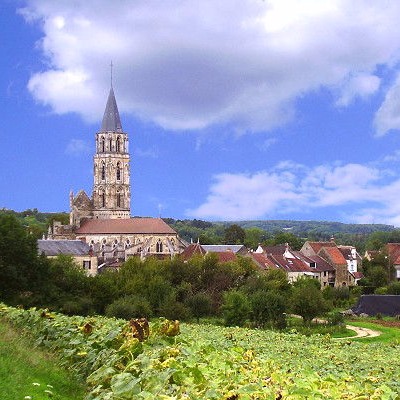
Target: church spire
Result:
[111, 120]
[111, 189]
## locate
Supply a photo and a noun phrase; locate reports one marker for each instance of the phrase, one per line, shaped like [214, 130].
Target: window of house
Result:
[159, 246]
[86, 265]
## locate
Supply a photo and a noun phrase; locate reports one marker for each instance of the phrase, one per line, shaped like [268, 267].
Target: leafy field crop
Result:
[209, 362]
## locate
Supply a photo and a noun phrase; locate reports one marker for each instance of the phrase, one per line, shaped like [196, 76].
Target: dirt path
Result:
[361, 332]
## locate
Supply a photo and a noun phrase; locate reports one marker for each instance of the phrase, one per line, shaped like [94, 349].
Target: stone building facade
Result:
[103, 220]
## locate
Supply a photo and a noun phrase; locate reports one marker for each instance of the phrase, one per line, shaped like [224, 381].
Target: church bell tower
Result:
[111, 189]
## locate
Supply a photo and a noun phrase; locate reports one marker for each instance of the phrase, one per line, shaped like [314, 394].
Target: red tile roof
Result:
[322, 265]
[290, 264]
[263, 261]
[225, 256]
[334, 255]
[317, 246]
[357, 275]
[393, 250]
[125, 226]
[191, 250]
[277, 249]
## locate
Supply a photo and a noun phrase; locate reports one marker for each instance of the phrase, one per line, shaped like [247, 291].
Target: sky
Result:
[235, 110]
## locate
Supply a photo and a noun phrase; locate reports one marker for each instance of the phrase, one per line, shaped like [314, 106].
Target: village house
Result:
[78, 250]
[283, 258]
[344, 259]
[224, 253]
[393, 259]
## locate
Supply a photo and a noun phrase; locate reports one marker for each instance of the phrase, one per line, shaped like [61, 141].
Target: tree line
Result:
[237, 292]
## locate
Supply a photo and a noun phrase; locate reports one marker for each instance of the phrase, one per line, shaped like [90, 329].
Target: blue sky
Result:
[274, 109]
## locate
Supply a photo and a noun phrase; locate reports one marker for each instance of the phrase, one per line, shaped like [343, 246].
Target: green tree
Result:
[234, 234]
[23, 273]
[294, 241]
[129, 307]
[268, 307]
[307, 300]
[235, 308]
[254, 236]
[378, 276]
[394, 288]
[200, 305]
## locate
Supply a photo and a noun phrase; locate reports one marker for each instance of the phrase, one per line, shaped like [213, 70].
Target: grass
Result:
[29, 373]
[389, 335]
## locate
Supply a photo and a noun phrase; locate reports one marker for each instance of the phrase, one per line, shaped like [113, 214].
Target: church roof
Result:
[111, 120]
[125, 226]
[69, 247]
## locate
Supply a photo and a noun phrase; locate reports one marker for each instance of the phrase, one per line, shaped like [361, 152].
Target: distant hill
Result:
[312, 227]
[213, 232]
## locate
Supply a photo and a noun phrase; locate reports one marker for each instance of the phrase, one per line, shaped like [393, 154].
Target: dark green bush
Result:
[235, 308]
[129, 307]
[335, 318]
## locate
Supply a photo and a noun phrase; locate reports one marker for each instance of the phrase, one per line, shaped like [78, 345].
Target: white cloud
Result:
[76, 147]
[388, 115]
[296, 188]
[362, 86]
[189, 65]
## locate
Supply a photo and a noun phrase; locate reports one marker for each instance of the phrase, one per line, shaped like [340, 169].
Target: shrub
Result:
[235, 308]
[78, 306]
[268, 307]
[335, 318]
[129, 307]
[173, 309]
[200, 305]
[381, 290]
[394, 288]
[307, 301]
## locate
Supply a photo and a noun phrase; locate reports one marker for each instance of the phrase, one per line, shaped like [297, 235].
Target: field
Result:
[26, 372]
[126, 361]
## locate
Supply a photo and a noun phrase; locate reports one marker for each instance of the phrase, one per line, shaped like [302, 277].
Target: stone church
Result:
[103, 220]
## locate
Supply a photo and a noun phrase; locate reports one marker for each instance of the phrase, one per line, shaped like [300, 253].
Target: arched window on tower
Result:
[118, 171]
[159, 246]
[103, 144]
[103, 199]
[103, 172]
[110, 144]
[118, 145]
[119, 202]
